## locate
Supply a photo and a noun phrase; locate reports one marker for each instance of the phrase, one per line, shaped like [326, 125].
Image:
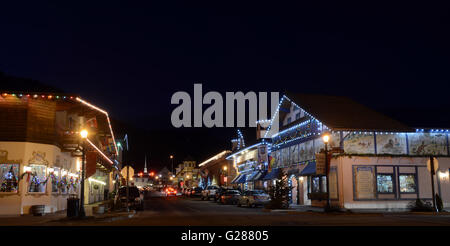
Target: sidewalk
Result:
[60, 218]
[293, 209]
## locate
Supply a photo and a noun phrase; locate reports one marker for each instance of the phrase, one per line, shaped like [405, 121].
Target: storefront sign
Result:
[320, 164]
[364, 182]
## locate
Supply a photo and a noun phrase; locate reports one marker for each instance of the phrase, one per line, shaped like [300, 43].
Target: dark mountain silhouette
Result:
[17, 84]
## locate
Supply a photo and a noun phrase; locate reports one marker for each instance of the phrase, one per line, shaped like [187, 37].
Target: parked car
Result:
[187, 192]
[209, 192]
[230, 197]
[253, 198]
[196, 192]
[135, 200]
[219, 193]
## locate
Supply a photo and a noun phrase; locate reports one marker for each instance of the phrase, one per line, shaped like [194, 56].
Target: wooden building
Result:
[40, 151]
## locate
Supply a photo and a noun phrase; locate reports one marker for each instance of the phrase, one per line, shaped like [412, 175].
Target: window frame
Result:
[17, 181]
[31, 179]
[392, 180]
[415, 183]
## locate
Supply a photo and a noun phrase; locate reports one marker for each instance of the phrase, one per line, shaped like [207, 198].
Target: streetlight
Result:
[84, 134]
[225, 169]
[326, 139]
[171, 158]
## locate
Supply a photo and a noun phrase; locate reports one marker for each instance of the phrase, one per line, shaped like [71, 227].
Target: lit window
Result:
[385, 183]
[315, 184]
[38, 178]
[55, 176]
[9, 177]
[407, 183]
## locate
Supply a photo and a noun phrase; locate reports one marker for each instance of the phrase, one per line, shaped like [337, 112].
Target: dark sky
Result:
[129, 58]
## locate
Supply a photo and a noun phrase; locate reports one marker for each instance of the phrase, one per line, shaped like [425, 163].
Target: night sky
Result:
[130, 58]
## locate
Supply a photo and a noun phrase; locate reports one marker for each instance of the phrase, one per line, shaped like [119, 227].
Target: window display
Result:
[38, 178]
[385, 183]
[55, 176]
[9, 177]
[315, 184]
[407, 183]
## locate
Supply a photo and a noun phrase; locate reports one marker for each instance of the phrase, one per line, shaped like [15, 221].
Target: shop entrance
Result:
[294, 190]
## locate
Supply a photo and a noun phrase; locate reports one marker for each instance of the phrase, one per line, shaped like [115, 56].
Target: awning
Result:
[272, 175]
[235, 178]
[310, 169]
[260, 175]
[241, 179]
[254, 176]
[250, 176]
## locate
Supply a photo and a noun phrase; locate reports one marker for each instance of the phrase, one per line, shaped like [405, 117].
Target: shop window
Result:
[315, 184]
[385, 183]
[55, 179]
[63, 184]
[9, 177]
[324, 184]
[38, 178]
[407, 183]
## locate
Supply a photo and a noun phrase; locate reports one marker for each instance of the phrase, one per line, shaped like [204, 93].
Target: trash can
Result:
[38, 210]
[73, 206]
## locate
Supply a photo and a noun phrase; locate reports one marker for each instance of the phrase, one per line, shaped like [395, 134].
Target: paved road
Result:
[178, 211]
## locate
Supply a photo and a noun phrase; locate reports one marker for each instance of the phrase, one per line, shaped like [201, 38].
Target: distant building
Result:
[143, 179]
[217, 170]
[187, 174]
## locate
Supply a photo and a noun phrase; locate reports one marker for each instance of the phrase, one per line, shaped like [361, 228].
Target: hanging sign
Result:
[320, 164]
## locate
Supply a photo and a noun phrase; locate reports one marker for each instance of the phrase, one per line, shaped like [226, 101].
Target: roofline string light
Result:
[98, 150]
[107, 117]
[216, 157]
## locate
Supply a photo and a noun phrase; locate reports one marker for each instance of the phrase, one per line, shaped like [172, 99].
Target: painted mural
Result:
[391, 144]
[294, 154]
[301, 152]
[359, 143]
[318, 145]
[334, 140]
[427, 144]
[309, 148]
[285, 157]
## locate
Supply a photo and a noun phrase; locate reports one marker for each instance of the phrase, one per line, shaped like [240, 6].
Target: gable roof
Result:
[342, 113]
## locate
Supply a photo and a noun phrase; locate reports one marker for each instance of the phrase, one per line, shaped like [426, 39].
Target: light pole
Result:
[326, 138]
[225, 168]
[84, 135]
[171, 158]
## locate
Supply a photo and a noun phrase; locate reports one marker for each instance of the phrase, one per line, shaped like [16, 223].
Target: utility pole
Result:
[432, 172]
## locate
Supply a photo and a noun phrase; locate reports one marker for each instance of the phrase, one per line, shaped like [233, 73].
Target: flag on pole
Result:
[92, 122]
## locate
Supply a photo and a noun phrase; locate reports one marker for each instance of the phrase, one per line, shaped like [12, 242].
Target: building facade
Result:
[375, 162]
[40, 151]
[187, 174]
[217, 170]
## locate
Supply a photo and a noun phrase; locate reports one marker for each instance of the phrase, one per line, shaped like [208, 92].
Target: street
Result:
[180, 211]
